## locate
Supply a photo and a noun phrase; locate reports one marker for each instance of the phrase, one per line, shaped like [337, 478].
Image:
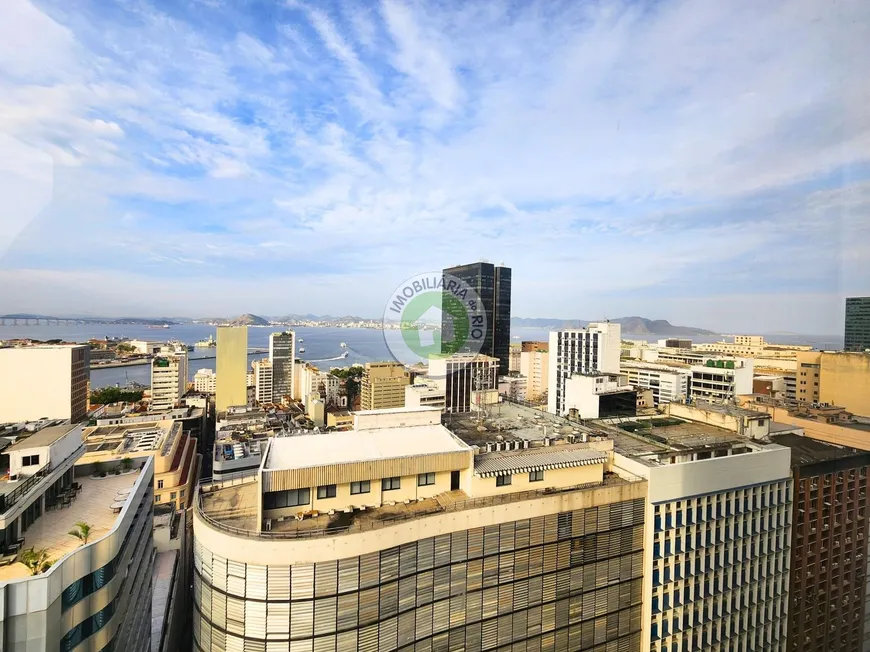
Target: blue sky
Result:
[706, 163]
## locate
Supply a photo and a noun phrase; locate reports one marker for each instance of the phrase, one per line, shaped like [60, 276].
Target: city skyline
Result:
[673, 160]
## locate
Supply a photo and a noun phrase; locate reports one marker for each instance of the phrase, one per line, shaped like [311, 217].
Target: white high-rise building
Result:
[580, 351]
[44, 381]
[205, 381]
[282, 355]
[168, 380]
[263, 381]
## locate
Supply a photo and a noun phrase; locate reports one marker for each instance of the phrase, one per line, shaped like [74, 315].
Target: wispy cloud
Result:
[623, 157]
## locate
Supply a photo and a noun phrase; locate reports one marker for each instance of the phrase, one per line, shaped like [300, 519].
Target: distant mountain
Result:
[630, 325]
[248, 320]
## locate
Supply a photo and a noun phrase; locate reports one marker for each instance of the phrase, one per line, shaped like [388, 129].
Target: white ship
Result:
[345, 354]
[301, 349]
[343, 345]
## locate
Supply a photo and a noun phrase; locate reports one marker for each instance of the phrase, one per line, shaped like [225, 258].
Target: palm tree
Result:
[82, 532]
[36, 560]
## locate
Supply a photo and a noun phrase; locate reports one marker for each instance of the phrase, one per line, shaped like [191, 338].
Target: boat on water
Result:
[345, 354]
[302, 349]
[206, 343]
[301, 340]
[343, 345]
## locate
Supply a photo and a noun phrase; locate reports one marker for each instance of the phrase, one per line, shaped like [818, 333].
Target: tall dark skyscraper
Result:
[857, 336]
[493, 285]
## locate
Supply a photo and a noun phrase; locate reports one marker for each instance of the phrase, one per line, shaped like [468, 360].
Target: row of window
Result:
[507, 479]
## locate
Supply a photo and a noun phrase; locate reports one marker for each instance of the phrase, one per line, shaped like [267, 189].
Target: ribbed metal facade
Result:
[567, 581]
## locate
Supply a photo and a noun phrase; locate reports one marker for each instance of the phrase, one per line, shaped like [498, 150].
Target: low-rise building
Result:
[599, 395]
[339, 420]
[513, 387]
[667, 382]
[128, 444]
[425, 393]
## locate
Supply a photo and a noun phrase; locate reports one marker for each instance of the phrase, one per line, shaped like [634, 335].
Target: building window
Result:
[360, 487]
[160, 484]
[326, 491]
[425, 479]
[290, 498]
[30, 460]
[182, 493]
[503, 480]
[158, 498]
[391, 484]
[536, 476]
[172, 496]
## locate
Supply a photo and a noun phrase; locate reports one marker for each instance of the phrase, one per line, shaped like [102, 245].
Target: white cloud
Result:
[607, 151]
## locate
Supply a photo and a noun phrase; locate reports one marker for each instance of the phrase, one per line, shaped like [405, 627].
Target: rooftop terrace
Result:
[234, 509]
[93, 505]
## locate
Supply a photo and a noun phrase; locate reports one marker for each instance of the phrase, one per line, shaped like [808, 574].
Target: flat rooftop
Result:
[306, 451]
[731, 410]
[50, 531]
[806, 450]
[511, 421]
[530, 459]
[44, 437]
[131, 438]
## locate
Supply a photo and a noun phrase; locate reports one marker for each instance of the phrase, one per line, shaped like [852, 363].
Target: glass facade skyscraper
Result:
[857, 332]
[493, 285]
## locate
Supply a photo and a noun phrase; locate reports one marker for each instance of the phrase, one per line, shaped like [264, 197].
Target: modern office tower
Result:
[668, 383]
[168, 380]
[263, 381]
[829, 546]
[493, 286]
[176, 460]
[580, 351]
[857, 332]
[282, 353]
[205, 381]
[44, 381]
[94, 595]
[397, 536]
[383, 385]
[469, 381]
[232, 367]
[535, 366]
[720, 512]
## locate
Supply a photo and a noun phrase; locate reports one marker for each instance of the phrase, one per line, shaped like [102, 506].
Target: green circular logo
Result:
[433, 315]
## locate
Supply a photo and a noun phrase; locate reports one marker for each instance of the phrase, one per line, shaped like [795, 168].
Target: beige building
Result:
[514, 357]
[94, 595]
[807, 376]
[339, 419]
[176, 461]
[845, 381]
[383, 385]
[397, 536]
[44, 381]
[168, 380]
[205, 381]
[232, 367]
[425, 393]
[535, 366]
[263, 383]
[754, 346]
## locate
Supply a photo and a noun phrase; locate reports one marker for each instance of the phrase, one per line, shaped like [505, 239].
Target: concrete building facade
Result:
[263, 381]
[668, 383]
[282, 354]
[441, 549]
[168, 380]
[231, 386]
[383, 385]
[844, 380]
[580, 351]
[535, 366]
[44, 381]
[469, 381]
[205, 381]
[425, 393]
